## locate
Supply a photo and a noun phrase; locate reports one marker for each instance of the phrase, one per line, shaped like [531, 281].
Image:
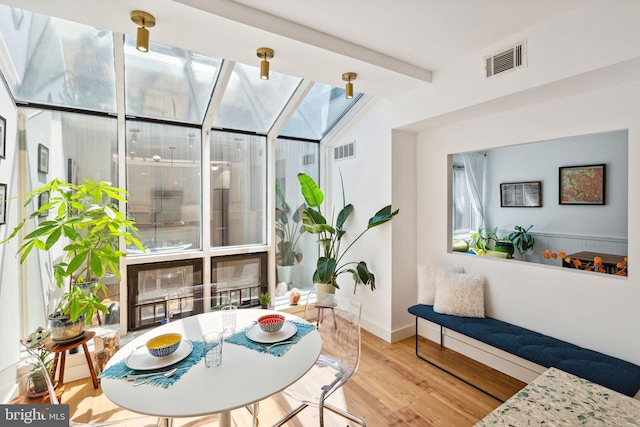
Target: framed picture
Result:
[3, 137]
[43, 159]
[3, 203]
[72, 171]
[582, 185]
[43, 199]
[521, 194]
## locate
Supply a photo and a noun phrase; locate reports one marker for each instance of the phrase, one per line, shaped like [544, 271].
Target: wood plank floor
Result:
[391, 388]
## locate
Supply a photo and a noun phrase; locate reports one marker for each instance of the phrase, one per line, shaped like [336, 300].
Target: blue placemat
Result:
[240, 338]
[121, 370]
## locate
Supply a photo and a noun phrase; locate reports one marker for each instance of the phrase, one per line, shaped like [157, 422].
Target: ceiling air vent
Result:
[344, 151]
[506, 60]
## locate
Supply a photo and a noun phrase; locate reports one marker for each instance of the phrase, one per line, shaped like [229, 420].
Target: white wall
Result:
[581, 78]
[404, 228]
[9, 289]
[540, 162]
[367, 182]
[592, 310]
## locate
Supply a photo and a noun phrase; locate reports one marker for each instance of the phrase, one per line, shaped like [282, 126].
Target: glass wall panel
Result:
[296, 269]
[252, 104]
[168, 82]
[163, 180]
[49, 63]
[238, 189]
[79, 146]
[320, 110]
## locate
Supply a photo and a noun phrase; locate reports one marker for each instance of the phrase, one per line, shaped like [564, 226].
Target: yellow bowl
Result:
[164, 345]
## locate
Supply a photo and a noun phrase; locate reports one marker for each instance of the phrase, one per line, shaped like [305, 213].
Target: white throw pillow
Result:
[427, 280]
[459, 294]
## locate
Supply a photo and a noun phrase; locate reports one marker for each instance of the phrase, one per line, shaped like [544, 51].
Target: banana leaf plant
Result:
[87, 220]
[330, 265]
[288, 230]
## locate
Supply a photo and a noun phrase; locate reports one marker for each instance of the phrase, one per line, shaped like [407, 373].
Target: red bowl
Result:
[271, 322]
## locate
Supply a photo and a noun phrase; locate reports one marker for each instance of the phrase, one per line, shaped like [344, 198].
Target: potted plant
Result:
[482, 238]
[87, 221]
[329, 266]
[522, 240]
[264, 300]
[35, 345]
[288, 231]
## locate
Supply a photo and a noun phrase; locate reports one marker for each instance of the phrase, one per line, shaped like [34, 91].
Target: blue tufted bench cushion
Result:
[608, 371]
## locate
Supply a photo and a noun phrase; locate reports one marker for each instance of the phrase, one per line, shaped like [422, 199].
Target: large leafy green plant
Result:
[86, 218]
[330, 236]
[288, 230]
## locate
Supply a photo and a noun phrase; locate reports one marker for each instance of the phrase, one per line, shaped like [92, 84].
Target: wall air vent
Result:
[345, 151]
[308, 159]
[508, 59]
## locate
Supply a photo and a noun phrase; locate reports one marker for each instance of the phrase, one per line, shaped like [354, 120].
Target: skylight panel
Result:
[252, 104]
[318, 112]
[168, 83]
[45, 61]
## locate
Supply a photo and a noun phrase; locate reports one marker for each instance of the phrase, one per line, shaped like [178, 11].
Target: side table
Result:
[61, 350]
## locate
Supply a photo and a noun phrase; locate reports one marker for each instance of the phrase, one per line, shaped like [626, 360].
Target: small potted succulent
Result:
[265, 300]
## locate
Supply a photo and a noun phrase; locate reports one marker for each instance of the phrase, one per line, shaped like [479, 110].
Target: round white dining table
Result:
[245, 375]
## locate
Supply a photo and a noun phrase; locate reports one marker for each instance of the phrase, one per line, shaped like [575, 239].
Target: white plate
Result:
[254, 333]
[142, 360]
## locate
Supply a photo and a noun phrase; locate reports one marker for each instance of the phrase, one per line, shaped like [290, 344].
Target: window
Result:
[238, 189]
[47, 62]
[152, 285]
[295, 269]
[168, 82]
[318, 112]
[163, 180]
[244, 277]
[463, 214]
[80, 146]
[251, 104]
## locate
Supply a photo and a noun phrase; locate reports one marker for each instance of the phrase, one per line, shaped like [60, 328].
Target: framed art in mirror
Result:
[3, 137]
[43, 159]
[3, 203]
[521, 194]
[582, 185]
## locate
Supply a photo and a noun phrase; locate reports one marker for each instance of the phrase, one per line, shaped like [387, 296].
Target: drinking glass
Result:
[229, 319]
[212, 348]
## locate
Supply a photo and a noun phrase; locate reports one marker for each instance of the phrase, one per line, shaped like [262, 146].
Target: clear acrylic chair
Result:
[338, 321]
[193, 300]
[26, 382]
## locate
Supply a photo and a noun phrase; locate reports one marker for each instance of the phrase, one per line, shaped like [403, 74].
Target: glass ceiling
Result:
[53, 62]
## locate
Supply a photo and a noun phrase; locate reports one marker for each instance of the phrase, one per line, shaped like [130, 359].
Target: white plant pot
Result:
[326, 288]
[285, 273]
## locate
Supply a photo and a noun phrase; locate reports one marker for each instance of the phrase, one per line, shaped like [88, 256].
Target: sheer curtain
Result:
[474, 164]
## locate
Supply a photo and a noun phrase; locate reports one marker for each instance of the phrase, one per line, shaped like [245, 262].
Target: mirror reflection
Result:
[537, 201]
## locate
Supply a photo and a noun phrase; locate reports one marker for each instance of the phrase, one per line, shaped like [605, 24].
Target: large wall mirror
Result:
[572, 191]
